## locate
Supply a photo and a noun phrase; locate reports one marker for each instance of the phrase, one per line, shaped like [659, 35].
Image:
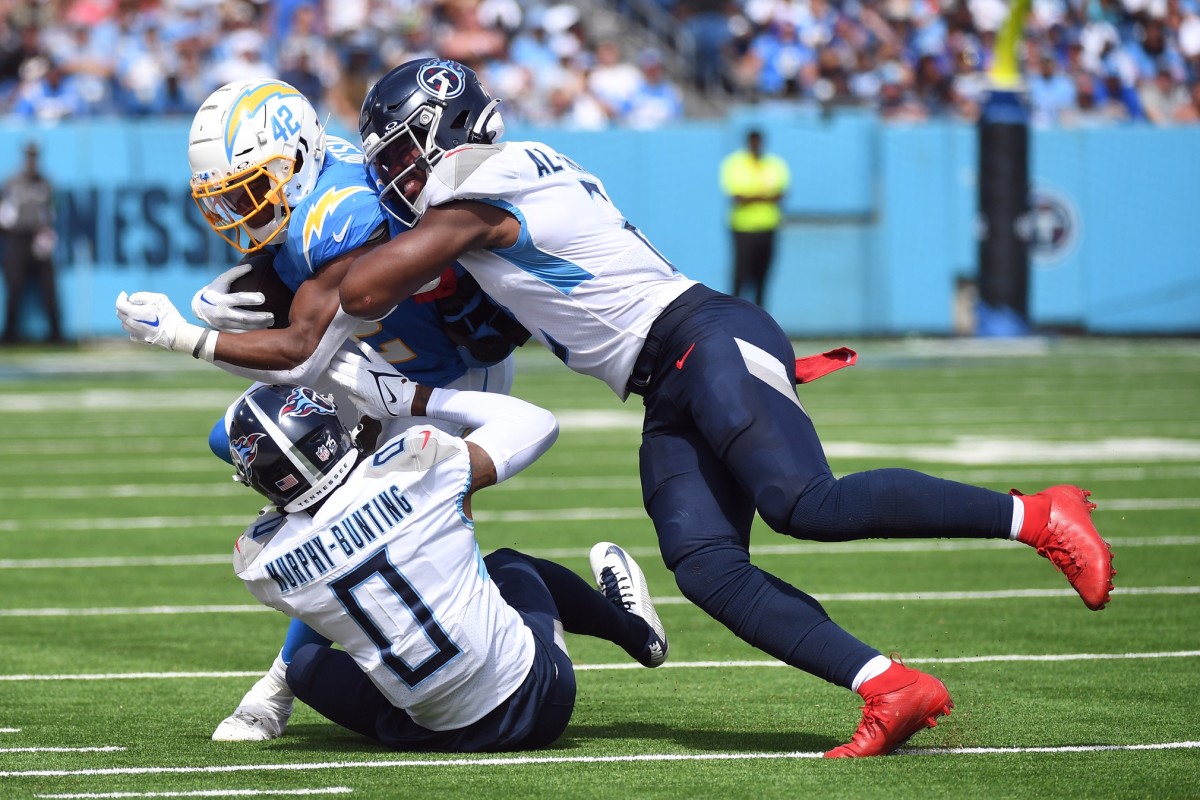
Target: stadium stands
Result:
[589, 65]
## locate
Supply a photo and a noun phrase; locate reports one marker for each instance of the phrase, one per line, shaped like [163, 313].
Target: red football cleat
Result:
[1073, 545]
[900, 702]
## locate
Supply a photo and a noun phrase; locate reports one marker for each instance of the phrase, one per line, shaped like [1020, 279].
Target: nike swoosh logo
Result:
[384, 391]
[153, 323]
[204, 299]
[426, 439]
[337, 237]
[679, 363]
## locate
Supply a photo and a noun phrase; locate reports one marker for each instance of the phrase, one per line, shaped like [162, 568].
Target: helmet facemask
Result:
[248, 206]
[451, 109]
[407, 151]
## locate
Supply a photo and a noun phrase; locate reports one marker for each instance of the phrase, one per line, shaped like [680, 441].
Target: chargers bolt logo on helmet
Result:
[248, 104]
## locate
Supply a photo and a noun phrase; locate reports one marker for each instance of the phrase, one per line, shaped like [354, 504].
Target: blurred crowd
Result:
[1083, 61]
[73, 58]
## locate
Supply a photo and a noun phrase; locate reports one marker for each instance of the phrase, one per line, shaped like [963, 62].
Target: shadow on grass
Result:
[331, 740]
[583, 735]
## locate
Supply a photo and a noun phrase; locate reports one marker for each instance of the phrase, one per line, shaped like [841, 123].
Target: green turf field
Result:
[125, 637]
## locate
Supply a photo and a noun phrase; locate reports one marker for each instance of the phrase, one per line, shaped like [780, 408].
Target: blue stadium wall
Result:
[880, 228]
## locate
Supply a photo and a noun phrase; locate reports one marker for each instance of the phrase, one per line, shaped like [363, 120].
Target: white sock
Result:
[271, 690]
[278, 669]
[1018, 517]
[872, 669]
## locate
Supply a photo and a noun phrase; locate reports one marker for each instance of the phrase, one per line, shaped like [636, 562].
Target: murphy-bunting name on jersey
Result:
[351, 533]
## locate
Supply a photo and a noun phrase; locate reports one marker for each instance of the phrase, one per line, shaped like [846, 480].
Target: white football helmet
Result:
[255, 148]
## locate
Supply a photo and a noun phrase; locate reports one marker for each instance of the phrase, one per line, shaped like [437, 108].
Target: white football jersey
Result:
[389, 569]
[580, 278]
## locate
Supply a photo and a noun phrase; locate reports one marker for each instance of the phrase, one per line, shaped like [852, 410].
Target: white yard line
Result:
[486, 517]
[130, 611]
[787, 548]
[130, 676]
[539, 485]
[993, 659]
[996, 659]
[206, 793]
[105, 749]
[669, 600]
[534, 760]
[999, 594]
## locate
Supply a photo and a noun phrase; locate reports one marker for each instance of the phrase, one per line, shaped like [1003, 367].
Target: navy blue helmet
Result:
[414, 115]
[288, 444]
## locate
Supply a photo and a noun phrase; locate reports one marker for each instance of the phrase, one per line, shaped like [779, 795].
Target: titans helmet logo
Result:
[303, 401]
[244, 450]
[441, 78]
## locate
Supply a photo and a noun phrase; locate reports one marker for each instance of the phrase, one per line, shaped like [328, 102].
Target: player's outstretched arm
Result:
[391, 273]
[295, 354]
[510, 433]
[507, 434]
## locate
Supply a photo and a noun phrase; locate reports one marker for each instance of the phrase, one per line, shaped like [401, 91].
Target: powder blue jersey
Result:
[341, 214]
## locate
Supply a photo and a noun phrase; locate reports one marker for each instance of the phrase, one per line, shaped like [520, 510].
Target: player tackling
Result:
[724, 434]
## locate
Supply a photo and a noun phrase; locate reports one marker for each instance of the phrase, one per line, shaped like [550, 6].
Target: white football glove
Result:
[217, 307]
[374, 385]
[152, 318]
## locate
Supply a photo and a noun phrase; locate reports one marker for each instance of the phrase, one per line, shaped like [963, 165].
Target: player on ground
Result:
[275, 186]
[724, 434]
[443, 650]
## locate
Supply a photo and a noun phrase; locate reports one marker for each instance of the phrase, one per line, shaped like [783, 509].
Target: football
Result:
[262, 277]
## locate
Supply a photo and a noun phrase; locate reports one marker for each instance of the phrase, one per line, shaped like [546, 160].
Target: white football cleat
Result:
[251, 724]
[620, 579]
[263, 713]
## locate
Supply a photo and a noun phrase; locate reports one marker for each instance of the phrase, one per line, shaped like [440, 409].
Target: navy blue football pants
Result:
[542, 592]
[724, 436]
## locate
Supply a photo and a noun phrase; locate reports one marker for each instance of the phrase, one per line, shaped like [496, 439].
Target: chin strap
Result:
[479, 131]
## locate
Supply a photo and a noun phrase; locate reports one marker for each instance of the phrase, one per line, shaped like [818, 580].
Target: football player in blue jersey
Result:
[275, 186]
[724, 435]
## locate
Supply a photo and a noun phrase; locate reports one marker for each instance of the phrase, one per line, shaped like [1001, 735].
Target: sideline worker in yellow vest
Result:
[756, 183]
